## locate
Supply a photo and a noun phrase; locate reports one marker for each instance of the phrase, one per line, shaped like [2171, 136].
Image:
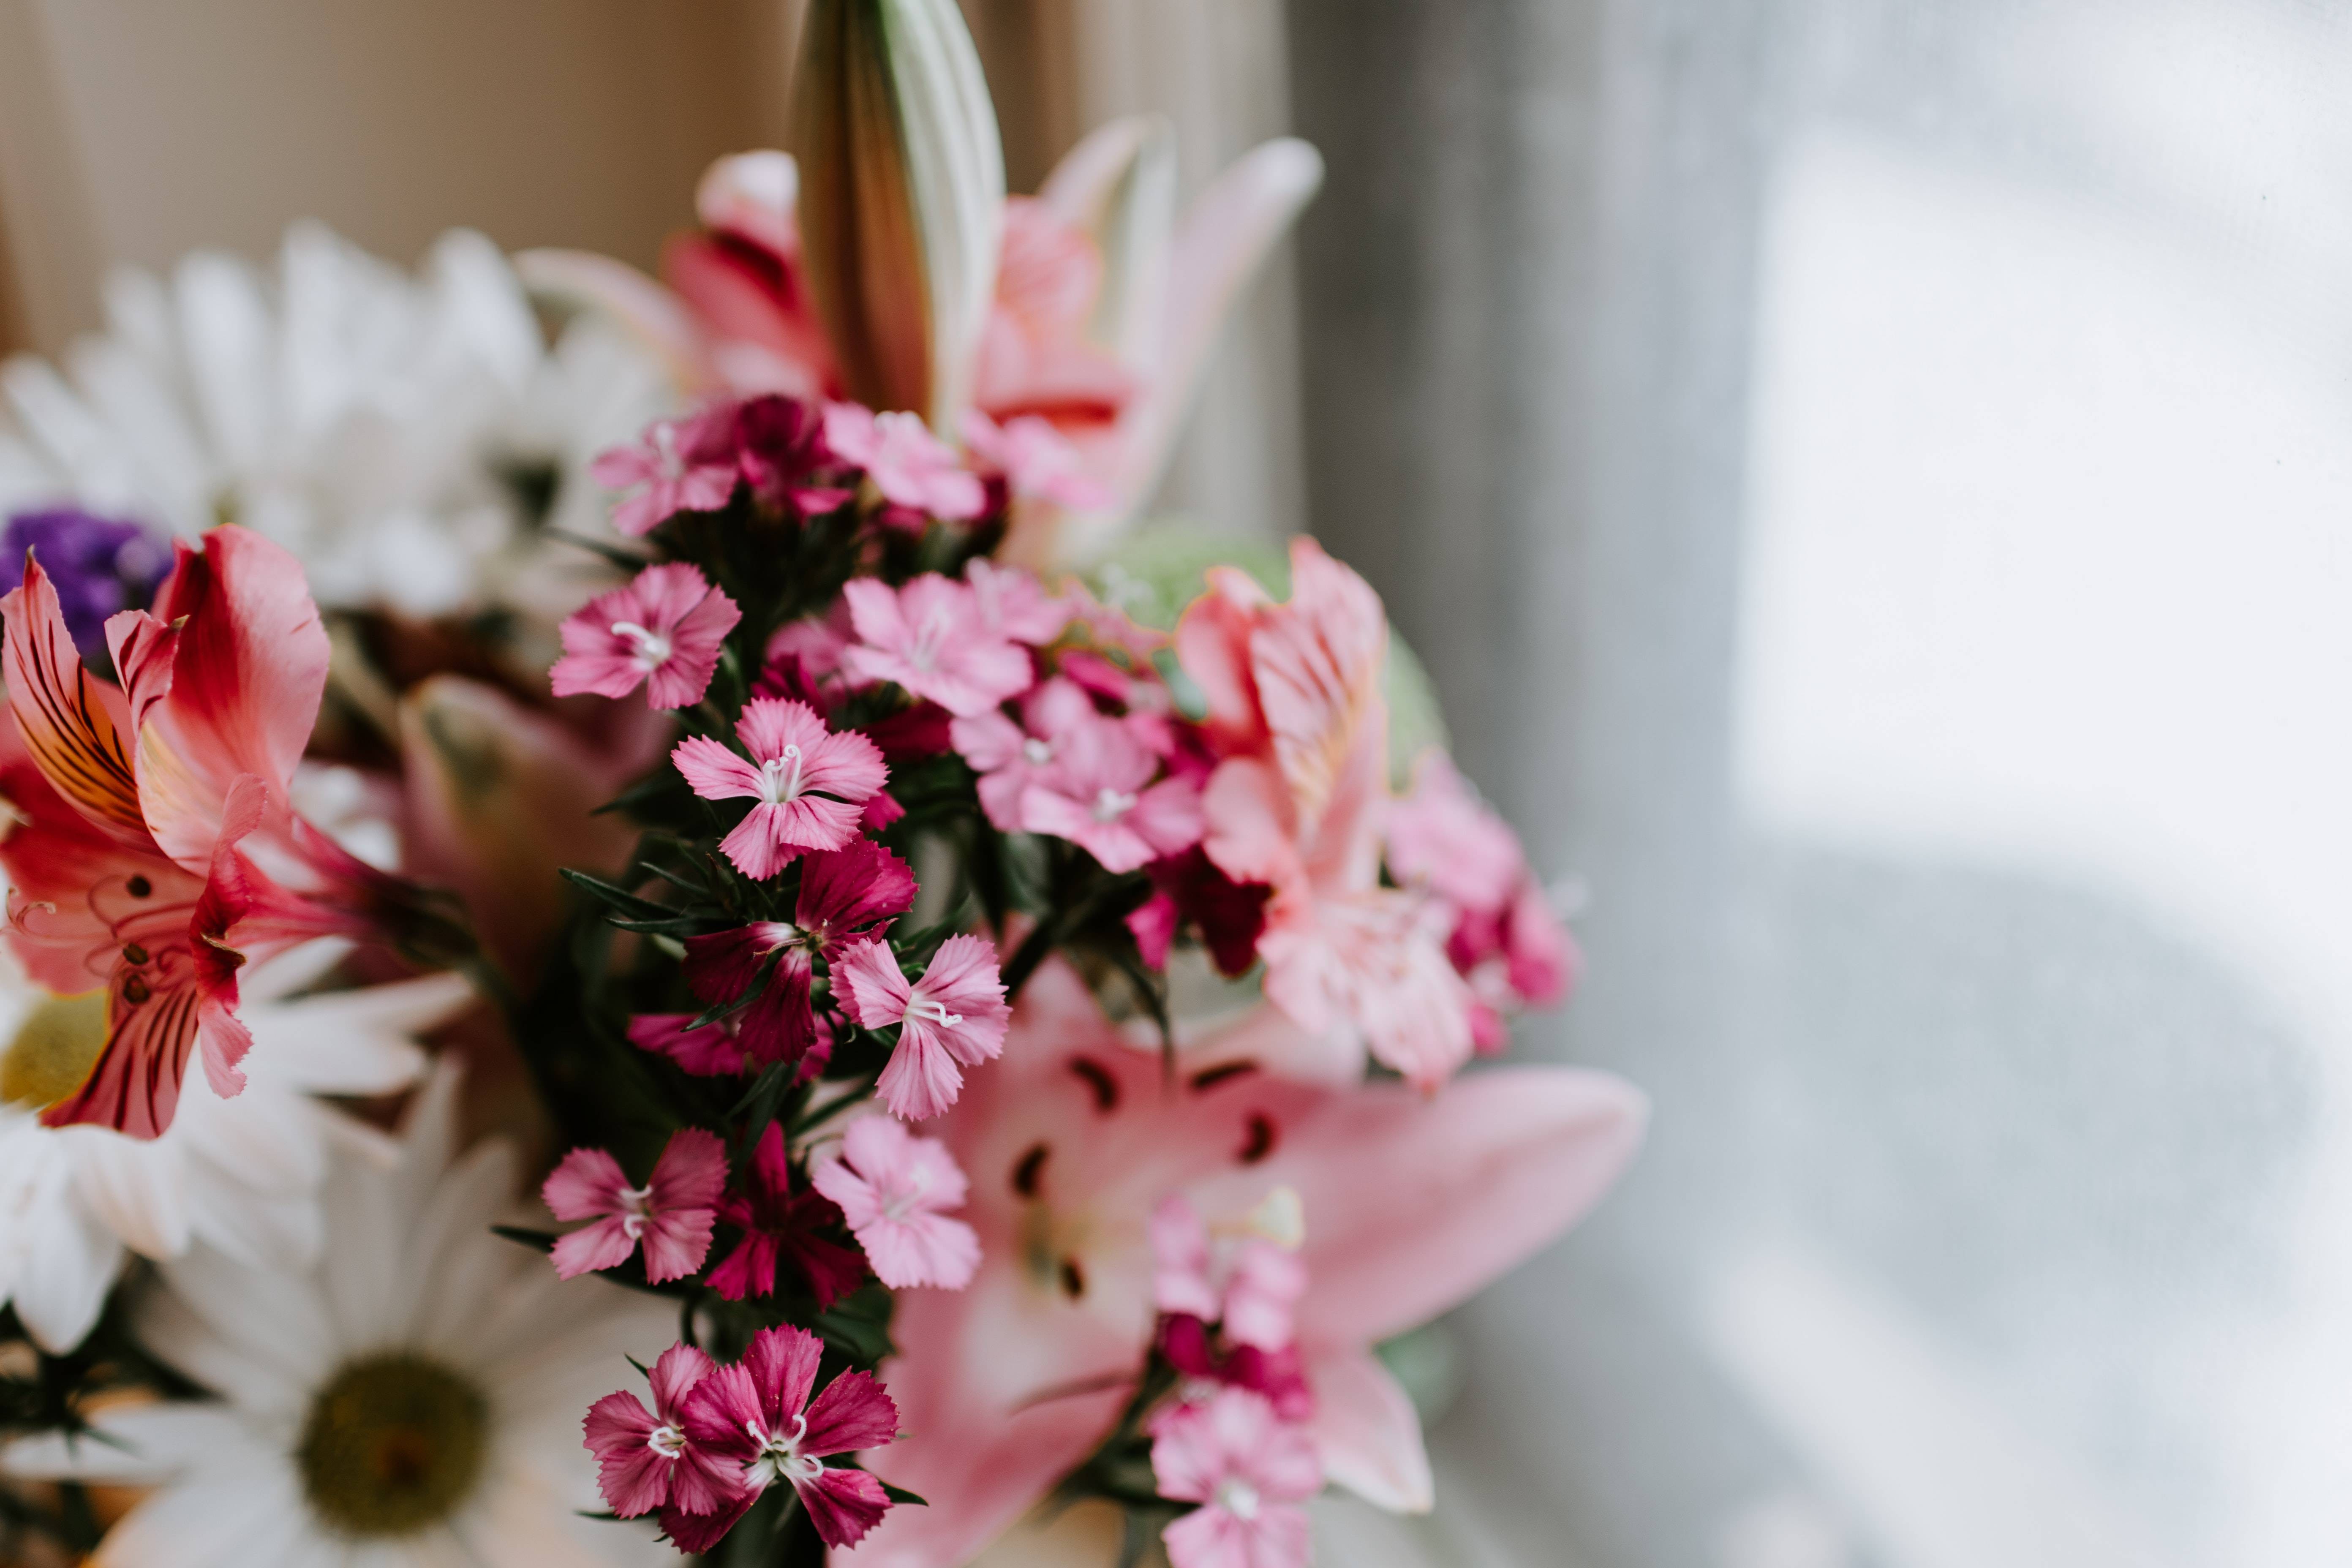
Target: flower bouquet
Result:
[780, 985]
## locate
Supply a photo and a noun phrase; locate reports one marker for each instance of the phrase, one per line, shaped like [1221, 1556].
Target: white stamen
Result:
[1110, 804]
[780, 1456]
[1237, 1498]
[932, 1012]
[639, 1204]
[667, 1441]
[779, 777]
[653, 648]
[1038, 752]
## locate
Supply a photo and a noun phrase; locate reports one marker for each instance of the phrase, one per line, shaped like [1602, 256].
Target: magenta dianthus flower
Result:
[893, 1187]
[811, 783]
[662, 631]
[670, 1214]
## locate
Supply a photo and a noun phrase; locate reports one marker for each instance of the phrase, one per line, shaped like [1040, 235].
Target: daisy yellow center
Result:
[55, 1048]
[393, 1445]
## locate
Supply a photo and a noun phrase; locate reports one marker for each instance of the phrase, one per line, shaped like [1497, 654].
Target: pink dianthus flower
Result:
[811, 784]
[1249, 1470]
[954, 1014]
[662, 631]
[894, 1189]
[671, 1214]
[930, 638]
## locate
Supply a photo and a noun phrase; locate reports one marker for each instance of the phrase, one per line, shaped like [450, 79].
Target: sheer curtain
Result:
[1870, 478]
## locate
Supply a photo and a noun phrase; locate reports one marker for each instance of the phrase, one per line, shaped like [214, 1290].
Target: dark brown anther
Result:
[1074, 1279]
[140, 887]
[1098, 1078]
[1032, 1166]
[1209, 1078]
[135, 991]
[1260, 1141]
[135, 953]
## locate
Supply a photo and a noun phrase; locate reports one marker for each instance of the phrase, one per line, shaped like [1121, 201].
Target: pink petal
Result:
[854, 886]
[587, 1184]
[748, 1270]
[877, 990]
[847, 764]
[597, 674]
[711, 1051]
[675, 1374]
[714, 772]
[987, 741]
[852, 1413]
[604, 1245]
[782, 1362]
[1388, 1174]
[873, 610]
[634, 1479]
[843, 1505]
[676, 1244]
[1367, 1431]
[770, 724]
[922, 1080]
[922, 1249]
[691, 1172]
[757, 846]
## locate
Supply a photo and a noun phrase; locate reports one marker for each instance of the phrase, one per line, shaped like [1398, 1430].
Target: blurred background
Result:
[1873, 482]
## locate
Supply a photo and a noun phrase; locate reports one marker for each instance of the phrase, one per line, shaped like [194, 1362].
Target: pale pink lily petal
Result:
[929, 639]
[1368, 1433]
[663, 631]
[1036, 460]
[892, 1187]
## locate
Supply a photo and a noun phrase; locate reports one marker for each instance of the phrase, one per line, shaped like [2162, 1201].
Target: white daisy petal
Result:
[71, 1261]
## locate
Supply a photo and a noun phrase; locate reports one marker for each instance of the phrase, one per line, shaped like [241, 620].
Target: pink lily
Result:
[810, 782]
[759, 1415]
[894, 1189]
[1097, 794]
[913, 468]
[1038, 461]
[1296, 711]
[681, 465]
[1105, 314]
[1249, 1470]
[954, 1014]
[670, 1214]
[1413, 1204]
[929, 639]
[662, 631]
[643, 1460]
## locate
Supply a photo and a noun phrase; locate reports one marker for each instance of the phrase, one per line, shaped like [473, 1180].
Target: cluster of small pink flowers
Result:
[1233, 1439]
[719, 1435]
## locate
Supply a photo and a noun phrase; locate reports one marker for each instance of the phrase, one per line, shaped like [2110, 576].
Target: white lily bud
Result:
[901, 198]
[1118, 186]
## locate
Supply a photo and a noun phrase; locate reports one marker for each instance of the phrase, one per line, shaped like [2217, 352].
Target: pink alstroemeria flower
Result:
[157, 850]
[1009, 756]
[671, 1214]
[643, 1460]
[811, 783]
[758, 1413]
[662, 631]
[1296, 711]
[1249, 1470]
[1413, 1204]
[894, 1189]
[679, 465]
[929, 639]
[954, 1014]
[912, 467]
[854, 890]
[778, 1223]
[1097, 792]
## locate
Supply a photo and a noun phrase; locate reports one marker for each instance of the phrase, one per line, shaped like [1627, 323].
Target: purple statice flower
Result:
[99, 565]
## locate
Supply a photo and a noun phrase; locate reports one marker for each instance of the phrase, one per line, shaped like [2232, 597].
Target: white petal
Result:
[258, 1338]
[138, 1188]
[354, 1042]
[71, 1260]
[140, 1445]
[224, 1520]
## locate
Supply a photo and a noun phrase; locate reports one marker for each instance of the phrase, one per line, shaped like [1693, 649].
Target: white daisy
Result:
[242, 1176]
[415, 1399]
[405, 437]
